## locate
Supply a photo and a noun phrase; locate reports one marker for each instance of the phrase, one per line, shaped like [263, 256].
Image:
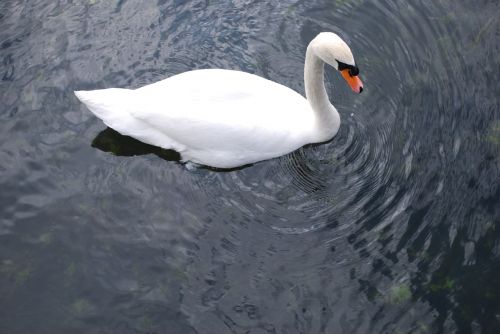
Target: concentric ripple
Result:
[378, 187]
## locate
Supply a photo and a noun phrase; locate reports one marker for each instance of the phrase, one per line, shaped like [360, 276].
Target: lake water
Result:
[391, 227]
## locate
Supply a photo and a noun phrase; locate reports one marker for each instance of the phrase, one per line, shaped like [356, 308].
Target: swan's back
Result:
[226, 97]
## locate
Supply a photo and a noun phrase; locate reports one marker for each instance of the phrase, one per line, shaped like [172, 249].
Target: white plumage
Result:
[224, 118]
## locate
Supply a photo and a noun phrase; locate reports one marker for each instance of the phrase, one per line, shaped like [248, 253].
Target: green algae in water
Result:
[372, 293]
[18, 273]
[69, 274]
[483, 29]
[82, 307]
[493, 135]
[443, 285]
[400, 294]
[22, 275]
[46, 238]
[146, 323]
[70, 271]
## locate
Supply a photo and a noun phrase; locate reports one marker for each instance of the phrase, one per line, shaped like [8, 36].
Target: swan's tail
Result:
[107, 104]
[115, 107]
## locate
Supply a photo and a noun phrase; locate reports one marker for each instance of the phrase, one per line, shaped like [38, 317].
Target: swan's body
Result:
[224, 118]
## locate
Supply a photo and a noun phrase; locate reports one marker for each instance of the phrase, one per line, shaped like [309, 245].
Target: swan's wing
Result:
[115, 107]
[224, 110]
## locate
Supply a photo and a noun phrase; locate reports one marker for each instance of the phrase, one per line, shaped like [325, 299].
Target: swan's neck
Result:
[327, 117]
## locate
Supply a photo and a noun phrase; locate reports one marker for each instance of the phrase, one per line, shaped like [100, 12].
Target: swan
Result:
[225, 118]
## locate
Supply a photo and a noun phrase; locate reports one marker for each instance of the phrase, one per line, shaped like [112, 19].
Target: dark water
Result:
[392, 227]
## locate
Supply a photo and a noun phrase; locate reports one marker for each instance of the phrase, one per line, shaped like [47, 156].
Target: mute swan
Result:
[224, 118]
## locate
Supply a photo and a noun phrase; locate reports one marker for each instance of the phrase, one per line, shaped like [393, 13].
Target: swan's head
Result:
[335, 52]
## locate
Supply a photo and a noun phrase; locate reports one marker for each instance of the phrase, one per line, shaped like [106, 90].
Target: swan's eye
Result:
[342, 66]
[353, 71]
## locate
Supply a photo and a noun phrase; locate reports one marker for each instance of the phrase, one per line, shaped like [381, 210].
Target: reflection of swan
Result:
[225, 118]
[111, 141]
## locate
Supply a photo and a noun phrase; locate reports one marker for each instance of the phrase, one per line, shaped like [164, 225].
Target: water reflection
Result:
[111, 141]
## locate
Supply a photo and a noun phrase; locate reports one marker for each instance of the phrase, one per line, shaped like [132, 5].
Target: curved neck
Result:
[327, 117]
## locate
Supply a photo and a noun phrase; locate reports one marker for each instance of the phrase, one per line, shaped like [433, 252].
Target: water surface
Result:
[391, 227]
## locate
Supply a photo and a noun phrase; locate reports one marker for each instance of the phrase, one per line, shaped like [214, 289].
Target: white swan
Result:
[226, 119]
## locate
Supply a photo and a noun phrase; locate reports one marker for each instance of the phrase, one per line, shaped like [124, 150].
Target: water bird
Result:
[225, 118]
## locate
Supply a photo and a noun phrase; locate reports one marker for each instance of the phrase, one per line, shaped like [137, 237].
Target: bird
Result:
[226, 118]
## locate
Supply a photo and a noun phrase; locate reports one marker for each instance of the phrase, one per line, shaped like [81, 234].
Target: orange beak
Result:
[353, 81]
